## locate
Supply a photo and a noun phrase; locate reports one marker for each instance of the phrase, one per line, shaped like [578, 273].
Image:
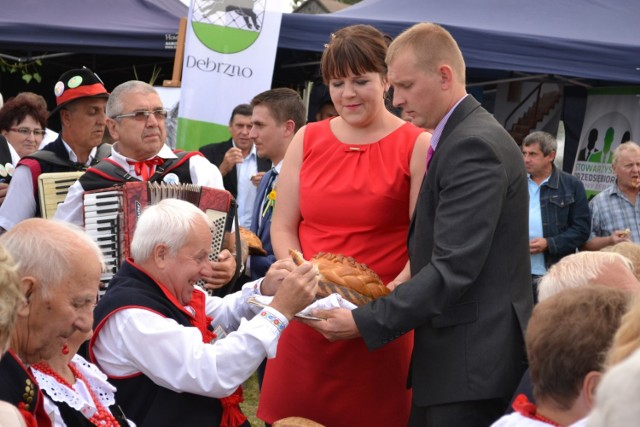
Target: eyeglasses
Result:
[39, 133]
[143, 116]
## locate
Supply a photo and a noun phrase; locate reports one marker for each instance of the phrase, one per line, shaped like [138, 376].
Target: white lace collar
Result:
[79, 398]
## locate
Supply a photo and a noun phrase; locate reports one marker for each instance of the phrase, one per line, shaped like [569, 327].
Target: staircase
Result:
[546, 103]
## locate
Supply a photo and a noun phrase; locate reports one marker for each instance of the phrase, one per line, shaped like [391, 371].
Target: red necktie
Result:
[145, 168]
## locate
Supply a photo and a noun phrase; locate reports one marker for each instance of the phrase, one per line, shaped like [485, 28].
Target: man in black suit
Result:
[469, 298]
[238, 162]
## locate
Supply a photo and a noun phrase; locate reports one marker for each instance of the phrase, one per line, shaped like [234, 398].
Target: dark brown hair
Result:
[356, 49]
[17, 109]
[283, 104]
[241, 110]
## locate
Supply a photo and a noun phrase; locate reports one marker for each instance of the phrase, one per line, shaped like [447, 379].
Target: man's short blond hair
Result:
[432, 46]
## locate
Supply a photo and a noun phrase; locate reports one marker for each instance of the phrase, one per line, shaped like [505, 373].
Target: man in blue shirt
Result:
[559, 216]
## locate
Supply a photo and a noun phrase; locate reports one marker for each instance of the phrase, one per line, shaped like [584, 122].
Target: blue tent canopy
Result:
[131, 27]
[592, 39]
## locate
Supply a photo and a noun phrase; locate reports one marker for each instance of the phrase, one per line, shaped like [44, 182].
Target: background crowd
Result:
[513, 297]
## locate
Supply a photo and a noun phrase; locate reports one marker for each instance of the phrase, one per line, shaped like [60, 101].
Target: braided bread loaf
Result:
[343, 275]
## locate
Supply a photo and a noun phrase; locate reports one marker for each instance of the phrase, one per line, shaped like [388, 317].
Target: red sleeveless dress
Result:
[354, 200]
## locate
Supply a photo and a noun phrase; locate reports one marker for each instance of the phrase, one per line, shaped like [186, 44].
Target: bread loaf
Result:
[327, 288]
[345, 276]
[253, 242]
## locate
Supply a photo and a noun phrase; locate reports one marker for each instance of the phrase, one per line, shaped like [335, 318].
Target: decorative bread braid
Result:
[345, 276]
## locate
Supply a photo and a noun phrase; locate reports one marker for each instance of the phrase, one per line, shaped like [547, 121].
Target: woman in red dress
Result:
[348, 185]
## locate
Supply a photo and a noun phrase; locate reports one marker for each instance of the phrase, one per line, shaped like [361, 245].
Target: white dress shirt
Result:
[246, 196]
[202, 173]
[49, 136]
[15, 158]
[135, 340]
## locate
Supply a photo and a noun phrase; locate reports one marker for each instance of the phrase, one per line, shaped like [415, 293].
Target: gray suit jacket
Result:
[469, 297]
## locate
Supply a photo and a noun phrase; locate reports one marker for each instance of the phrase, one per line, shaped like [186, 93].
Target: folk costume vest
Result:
[109, 173]
[55, 158]
[18, 387]
[145, 402]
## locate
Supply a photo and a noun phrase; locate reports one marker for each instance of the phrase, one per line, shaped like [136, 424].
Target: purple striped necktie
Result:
[430, 155]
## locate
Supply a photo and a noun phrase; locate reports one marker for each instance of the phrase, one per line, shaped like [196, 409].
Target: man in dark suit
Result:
[238, 162]
[469, 298]
[277, 116]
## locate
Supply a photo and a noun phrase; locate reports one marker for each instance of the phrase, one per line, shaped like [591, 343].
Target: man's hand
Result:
[538, 245]
[232, 157]
[278, 271]
[338, 324]
[255, 179]
[3, 191]
[296, 291]
[620, 236]
[223, 270]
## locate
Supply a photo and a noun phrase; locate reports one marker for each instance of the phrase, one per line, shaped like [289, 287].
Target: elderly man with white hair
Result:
[583, 268]
[59, 268]
[158, 337]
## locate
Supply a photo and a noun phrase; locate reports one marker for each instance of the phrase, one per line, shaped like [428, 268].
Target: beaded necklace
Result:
[102, 417]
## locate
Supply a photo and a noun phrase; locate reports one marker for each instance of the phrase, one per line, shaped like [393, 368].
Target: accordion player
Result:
[110, 215]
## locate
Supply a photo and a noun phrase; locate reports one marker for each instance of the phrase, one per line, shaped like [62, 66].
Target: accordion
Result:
[52, 190]
[110, 215]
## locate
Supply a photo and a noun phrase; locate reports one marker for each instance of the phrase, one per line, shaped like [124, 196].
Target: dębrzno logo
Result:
[228, 26]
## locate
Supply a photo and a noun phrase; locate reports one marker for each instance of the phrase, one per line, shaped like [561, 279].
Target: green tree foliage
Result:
[28, 68]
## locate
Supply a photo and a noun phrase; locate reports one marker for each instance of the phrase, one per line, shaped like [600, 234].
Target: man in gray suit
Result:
[469, 298]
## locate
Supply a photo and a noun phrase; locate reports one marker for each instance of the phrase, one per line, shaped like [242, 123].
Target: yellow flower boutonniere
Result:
[271, 201]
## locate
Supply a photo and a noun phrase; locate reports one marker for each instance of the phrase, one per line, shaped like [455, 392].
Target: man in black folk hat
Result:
[80, 100]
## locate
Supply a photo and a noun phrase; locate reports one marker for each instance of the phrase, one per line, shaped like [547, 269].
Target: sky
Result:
[281, 5]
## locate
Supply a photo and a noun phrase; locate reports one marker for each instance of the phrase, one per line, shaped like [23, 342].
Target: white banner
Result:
[612, 117]
[230, 50]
